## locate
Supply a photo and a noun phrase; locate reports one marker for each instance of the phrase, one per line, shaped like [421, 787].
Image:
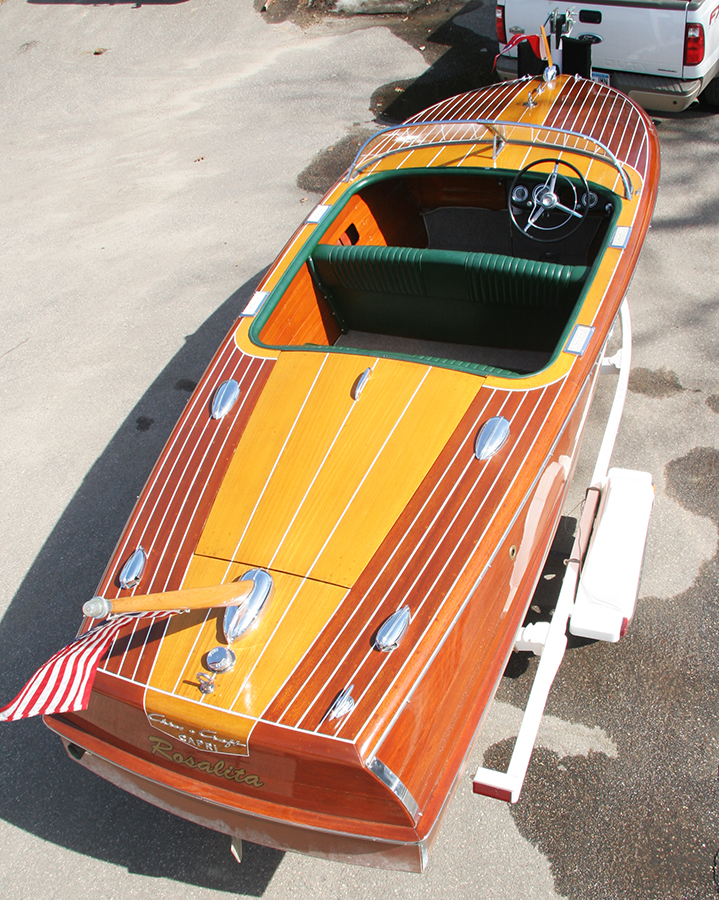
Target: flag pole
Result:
[219, 595]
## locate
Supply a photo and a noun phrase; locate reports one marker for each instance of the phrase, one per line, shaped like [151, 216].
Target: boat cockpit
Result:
[483, 271]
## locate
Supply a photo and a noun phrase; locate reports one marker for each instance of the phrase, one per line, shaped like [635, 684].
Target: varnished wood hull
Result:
[358, 505]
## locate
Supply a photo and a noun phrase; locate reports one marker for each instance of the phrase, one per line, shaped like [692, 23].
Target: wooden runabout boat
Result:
[357, 503]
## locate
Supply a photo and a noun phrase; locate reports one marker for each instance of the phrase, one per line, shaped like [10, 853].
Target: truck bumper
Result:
[650, 91]
[655, 93]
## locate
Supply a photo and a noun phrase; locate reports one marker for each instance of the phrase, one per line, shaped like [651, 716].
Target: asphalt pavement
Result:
[154, 157]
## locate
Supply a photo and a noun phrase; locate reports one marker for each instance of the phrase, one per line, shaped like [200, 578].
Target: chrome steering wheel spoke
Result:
[554, 210]
[570, 212]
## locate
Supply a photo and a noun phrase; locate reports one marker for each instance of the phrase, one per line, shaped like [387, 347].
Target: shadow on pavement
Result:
[461, 60]
[643, 822]
[41, 790]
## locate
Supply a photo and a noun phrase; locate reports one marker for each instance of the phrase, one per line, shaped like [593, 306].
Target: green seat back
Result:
[448, 295]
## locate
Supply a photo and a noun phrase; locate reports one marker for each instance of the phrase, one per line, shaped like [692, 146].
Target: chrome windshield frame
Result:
[499, 136]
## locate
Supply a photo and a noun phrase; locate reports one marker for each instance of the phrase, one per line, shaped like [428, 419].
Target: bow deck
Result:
[421, 300]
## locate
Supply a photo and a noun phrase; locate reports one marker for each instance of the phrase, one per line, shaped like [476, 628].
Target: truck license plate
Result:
[601, 77]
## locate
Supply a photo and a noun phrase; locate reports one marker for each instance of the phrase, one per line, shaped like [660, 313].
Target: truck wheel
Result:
[710, 94]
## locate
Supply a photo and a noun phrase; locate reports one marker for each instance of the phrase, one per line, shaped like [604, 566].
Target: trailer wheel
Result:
[710, 94]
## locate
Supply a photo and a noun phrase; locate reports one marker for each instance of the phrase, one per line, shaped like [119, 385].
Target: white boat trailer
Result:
[600, 586]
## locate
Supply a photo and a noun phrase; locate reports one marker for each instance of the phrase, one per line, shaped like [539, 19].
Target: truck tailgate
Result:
[644, 37]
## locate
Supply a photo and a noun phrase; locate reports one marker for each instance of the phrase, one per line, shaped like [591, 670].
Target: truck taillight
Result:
[693, 45]
[501, 30]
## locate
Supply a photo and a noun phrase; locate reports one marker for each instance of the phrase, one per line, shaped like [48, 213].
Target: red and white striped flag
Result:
[64, 683]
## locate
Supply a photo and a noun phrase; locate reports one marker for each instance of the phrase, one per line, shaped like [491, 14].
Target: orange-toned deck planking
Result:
[356, 509]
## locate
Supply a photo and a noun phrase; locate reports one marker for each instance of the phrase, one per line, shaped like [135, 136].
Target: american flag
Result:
[64, 683]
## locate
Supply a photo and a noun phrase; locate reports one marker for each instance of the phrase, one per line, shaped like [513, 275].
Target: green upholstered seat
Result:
[449, 295]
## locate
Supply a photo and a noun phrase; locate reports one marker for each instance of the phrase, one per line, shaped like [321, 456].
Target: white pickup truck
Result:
[663, 53]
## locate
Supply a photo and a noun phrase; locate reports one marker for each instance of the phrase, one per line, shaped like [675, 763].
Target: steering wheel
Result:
[552, 209]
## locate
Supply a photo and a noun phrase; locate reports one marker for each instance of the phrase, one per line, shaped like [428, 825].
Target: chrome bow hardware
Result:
[491, 438]
[392, 630]
[220, 659]
[343, 704]
[133, 569]
[97, 608]
[239, 619]
[225, 398]
[207, 682]
[360, 383]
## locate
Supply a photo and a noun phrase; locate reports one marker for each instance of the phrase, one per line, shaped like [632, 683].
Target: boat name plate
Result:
[198, 738]
[219, 768]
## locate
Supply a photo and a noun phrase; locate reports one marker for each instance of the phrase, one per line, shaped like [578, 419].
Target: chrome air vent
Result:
[239, 619]
[132, 570]
[492, 437]
[225, 398]
[343, 704]
[360, 383]
[392, 630]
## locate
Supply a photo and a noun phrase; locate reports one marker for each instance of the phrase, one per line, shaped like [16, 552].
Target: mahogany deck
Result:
[357, 509]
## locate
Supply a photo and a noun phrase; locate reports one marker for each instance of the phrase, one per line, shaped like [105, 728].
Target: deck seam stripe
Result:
[141, 654]
[599, 112]
[396, 549]
[419, 545]
[131, 636]
[183, 485]
[260, 371]
[367, 472]
[473, 590]
[156, 649]
[287, 608]
[332, 532]
[220, 362]
[188, 657]
[576, 127]
[276, 463]
[218, 453]
[155, 494]
[299, 662]
[419, 541]
[538, 401]
[469, 596]
[313, 481]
